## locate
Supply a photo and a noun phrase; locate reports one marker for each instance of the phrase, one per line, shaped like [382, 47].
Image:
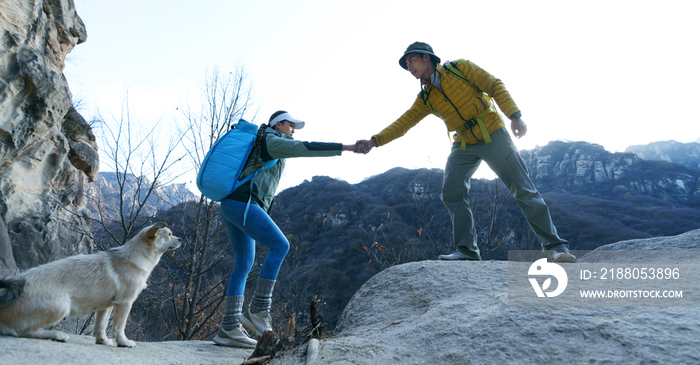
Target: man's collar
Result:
[434, 78]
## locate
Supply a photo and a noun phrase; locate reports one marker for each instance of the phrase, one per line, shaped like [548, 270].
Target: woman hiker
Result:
[274, 141]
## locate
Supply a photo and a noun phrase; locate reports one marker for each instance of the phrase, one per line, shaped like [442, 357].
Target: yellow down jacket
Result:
[455, 103]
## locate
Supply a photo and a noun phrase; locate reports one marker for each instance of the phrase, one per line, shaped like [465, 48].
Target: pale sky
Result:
[614, 72]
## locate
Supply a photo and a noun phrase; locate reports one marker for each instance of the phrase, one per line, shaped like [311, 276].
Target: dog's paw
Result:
[126, 343]
[60, 336]
[104, 341]
[49, 335]
[4, 331]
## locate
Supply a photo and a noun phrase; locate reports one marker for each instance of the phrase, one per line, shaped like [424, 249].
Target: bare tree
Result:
[197, 295]
[141, 164]
[389, 246]
[423, 199]
[494, 233]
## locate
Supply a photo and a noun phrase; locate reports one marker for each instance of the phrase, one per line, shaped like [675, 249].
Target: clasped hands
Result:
[364, 146]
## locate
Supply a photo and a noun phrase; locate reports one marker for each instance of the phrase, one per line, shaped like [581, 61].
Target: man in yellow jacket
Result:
[462, 95]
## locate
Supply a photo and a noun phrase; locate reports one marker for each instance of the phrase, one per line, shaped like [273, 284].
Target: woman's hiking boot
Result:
[256, 321]
[236, 337]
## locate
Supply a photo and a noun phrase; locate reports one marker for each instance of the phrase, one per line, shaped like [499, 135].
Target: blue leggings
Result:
[258, 227]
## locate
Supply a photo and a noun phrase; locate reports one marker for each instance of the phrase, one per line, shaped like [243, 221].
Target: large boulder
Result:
[47, 152]
[433, 312]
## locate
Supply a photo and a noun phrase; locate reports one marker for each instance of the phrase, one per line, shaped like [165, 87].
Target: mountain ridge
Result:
[687, 154]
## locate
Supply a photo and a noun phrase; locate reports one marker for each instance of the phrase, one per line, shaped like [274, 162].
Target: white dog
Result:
[81, 284]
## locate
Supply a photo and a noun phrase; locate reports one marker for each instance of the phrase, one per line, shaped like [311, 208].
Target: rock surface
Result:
[48, 153]
[81, 350]
[432, 312]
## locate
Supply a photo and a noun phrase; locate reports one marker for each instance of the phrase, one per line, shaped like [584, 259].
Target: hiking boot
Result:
[256, 321]
[561, 255]
[236, 337]
[457, 256]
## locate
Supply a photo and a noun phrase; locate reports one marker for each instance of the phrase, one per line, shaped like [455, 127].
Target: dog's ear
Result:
[151, 233]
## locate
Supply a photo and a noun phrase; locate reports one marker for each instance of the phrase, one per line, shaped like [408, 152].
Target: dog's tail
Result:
[10, 290]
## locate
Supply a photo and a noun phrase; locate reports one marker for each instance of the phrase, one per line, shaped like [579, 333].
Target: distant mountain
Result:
[687, 154]
[105, 191]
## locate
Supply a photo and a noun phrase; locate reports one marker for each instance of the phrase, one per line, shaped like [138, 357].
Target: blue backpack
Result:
[222, 166]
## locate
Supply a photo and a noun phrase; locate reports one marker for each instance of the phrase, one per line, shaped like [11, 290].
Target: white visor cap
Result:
[298, 124]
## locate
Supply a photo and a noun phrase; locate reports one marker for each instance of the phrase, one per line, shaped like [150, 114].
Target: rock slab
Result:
[434, 312]
[82, 350]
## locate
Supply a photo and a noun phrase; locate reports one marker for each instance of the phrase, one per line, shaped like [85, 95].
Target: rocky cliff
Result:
[48, 153]
[582, 167]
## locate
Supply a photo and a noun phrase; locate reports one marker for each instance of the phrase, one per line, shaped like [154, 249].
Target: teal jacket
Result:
[276, 145]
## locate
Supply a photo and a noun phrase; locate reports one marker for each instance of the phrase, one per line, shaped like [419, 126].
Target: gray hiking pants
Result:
[504, 159]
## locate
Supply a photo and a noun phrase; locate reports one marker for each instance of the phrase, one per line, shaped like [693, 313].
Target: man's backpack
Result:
[221, 168]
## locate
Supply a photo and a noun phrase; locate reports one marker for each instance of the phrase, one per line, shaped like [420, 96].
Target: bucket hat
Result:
[420, 48]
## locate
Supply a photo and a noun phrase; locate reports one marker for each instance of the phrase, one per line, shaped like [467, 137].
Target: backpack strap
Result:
[266, 166]
[425, 94]
[451, 67]
[479, 119]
